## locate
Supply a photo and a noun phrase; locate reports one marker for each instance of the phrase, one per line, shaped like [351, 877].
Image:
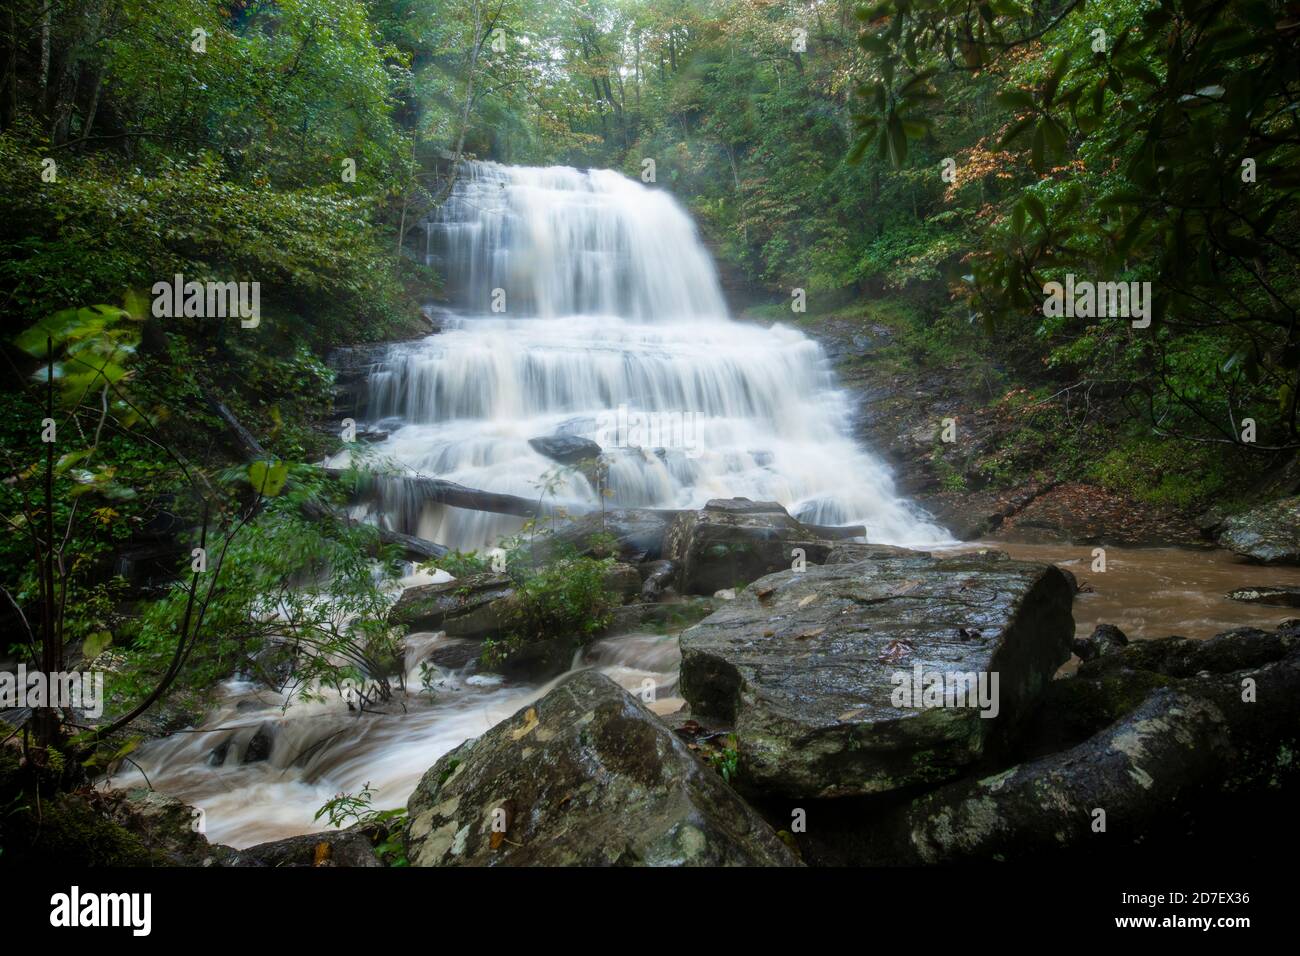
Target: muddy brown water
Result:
[1157, 592]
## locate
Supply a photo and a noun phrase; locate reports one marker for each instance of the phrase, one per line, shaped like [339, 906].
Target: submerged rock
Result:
[811, 667]
[1105, 638]
[586, 776]
[731, 542]
[1269, 534]
[566, 449]
[260, 746]
[1280, 596]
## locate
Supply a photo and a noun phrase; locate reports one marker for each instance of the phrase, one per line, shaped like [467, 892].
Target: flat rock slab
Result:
[806, 665]
[586, 776]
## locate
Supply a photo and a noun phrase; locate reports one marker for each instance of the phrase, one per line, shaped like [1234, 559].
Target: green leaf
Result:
[1055, 135]
[1017, 129]
[1039, 148]
[897, 140]
[1059, 66]
[96, 644]
[1034, 206]
[67, 325]
[268, 477]
[1015, 99]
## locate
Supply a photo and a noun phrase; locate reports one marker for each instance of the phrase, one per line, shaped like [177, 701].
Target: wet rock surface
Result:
[1268, 535]
[1176, 738]
[475, 605]
[804, 665]
[850, 552]
[585, 776]
[1105, 639]
[566, 449]
[1280, 596]
[731, 542]
[350, 847]
[633, 535]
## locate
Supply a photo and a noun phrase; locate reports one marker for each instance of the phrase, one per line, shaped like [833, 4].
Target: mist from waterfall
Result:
[583, 296]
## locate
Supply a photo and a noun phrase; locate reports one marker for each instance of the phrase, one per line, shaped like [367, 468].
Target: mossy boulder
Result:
[586, 776]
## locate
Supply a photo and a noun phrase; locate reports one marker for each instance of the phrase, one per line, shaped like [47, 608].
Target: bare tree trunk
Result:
[44, 77]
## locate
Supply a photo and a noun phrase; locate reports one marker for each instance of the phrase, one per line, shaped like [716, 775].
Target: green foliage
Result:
[1147, 142]
[357, 808]
[100, 230]
[460, 564]
[726, 760]
[1164, 473]
[283, 581]
[564, 598]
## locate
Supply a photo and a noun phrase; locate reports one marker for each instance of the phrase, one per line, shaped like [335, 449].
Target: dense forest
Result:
[921, 186]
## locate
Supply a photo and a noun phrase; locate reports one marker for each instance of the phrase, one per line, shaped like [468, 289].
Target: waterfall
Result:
[586, 306]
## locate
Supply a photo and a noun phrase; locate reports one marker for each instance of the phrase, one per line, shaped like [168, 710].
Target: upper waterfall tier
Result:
[558, 241]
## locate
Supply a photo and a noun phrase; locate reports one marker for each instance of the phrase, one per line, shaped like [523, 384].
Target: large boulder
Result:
[1178, 737]
[811, 668]
[623, 581]
[1269, 534]
[476, 605]
[586, 776]
[731, 542]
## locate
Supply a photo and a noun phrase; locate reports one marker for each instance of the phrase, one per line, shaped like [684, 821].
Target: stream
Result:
[585, 307]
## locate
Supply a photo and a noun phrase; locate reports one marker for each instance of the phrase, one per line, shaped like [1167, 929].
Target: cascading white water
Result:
[614, 329]
[590, 307]
[560, 242]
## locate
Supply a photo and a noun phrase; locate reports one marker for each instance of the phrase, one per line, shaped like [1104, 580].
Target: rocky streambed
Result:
[838, 703]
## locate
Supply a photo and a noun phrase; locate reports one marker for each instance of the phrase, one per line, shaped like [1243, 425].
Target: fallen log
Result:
[441, 491]
[413, 548]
